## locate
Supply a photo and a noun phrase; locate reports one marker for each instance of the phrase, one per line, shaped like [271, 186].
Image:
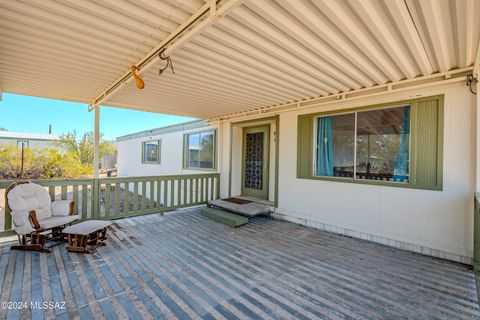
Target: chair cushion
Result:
[61, 207]
[21, 222]
[52, 222]
[87, 227]
[31, 196]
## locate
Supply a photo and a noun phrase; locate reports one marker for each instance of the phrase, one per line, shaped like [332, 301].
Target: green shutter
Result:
[305, 146]
[427, 143]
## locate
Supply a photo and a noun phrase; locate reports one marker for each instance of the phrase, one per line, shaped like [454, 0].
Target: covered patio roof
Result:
[231, 56]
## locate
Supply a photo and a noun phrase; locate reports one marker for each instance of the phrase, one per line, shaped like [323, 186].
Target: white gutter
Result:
[148, 60]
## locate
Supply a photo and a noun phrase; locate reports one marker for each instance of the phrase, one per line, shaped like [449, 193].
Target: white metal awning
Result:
[245, 56]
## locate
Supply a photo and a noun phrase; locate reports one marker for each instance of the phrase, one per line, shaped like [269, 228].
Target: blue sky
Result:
[31, 114]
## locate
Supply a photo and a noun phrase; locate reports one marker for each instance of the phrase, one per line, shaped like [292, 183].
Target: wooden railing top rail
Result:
[151, 178]
[48, 182]
[69, 182]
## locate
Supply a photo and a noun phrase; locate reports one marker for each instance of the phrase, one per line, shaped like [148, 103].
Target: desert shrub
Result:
[83, 147]
[40, 164]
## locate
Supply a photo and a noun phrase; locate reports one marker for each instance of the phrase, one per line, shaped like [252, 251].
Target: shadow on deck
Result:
[183, 265]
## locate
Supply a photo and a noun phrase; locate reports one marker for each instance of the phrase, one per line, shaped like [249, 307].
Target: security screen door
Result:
[256, 141]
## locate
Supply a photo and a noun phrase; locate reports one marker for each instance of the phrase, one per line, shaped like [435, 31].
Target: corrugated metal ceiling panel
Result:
[260, 54]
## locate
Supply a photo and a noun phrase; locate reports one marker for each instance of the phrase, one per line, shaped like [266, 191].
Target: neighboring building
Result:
[29, 139]
[395, 168]
[161, 151]
[108, 161]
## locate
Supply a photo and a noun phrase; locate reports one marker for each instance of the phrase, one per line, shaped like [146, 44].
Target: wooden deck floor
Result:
[185, 266]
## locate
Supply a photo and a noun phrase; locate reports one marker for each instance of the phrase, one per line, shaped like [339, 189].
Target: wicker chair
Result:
[36, 219]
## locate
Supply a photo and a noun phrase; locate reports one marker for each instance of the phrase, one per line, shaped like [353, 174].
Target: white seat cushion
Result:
[87, 227]
[61, 207]
[57, 221]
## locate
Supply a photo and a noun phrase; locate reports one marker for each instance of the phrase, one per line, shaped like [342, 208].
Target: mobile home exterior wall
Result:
[436, 223]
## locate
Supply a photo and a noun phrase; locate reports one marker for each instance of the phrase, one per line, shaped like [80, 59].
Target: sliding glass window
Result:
[367, 145]
[200, 150]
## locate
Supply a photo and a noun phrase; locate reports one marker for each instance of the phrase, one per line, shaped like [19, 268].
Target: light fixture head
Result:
[138, 81]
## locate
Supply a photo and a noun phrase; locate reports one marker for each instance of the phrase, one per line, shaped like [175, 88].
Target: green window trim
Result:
[159, 152]
[186, 149]
[426, 144]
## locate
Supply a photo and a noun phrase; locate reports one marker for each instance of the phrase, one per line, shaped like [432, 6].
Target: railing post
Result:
[476, 232]
[476, 242]
[95, 198]
[8, 219]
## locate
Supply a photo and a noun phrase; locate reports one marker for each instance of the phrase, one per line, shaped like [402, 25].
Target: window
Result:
[372, 145]
[200, 150]
[22, 144]
[151, 151]
[397, 144]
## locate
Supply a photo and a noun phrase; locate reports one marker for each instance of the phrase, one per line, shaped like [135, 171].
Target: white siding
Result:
[171, 155]
[130, 156]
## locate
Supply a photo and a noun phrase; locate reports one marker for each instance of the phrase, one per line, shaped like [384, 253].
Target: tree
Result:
[3, 129]
[83, 148]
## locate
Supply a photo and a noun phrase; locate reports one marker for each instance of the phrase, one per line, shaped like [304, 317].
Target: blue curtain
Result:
[325, 147]
[401, 167]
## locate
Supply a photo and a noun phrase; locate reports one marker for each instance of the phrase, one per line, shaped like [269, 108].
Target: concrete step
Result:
[225, 217]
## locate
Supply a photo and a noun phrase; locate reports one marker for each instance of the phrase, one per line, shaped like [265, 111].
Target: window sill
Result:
[199, 169]
[375, 183]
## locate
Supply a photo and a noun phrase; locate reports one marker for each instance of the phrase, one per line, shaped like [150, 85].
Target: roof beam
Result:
[170, 46]
[476, 65]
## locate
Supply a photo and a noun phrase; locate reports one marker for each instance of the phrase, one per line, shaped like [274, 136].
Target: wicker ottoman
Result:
[87, 236]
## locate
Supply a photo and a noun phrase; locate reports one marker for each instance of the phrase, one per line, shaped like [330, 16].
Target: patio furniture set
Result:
[38, 221]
